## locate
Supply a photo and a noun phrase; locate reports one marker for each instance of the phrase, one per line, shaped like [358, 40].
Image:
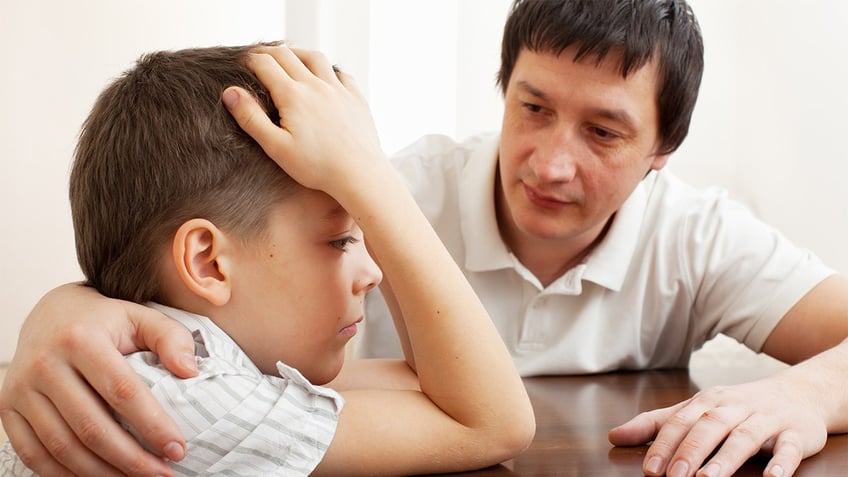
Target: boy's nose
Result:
[369, 277]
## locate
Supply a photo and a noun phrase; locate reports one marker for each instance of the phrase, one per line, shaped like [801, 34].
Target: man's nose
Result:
[556, 159]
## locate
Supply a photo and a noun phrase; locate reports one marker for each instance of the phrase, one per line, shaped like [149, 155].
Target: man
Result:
[587, 254]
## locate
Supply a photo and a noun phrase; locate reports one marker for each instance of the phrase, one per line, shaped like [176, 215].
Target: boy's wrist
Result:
[374, 182]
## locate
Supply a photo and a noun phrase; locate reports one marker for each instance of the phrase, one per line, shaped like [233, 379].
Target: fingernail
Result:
[230, 97]
[679, 469]
[776, 471]
[187, 361]
[174, 451]
[710, 470]
[654, 465]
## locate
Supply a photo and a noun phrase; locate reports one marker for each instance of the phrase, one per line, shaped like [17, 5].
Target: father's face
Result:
[576, 140]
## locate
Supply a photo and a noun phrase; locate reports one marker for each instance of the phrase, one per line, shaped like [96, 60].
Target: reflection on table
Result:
[574, 414]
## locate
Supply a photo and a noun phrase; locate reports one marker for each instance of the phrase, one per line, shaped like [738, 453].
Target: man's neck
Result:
[547, 259]
[550, 259]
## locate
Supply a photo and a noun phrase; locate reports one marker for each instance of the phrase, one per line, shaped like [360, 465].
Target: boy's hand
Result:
[49, 405]
[326, 135]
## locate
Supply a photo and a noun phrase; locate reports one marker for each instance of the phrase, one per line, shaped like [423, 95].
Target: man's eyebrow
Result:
[618, 115]
[532, 90]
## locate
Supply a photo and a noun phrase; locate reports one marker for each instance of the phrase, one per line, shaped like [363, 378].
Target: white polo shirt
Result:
[677, 266]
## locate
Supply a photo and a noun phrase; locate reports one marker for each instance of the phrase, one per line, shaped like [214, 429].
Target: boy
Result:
[173, 203]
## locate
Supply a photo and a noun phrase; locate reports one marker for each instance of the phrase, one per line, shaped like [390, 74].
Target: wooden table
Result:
[574, 414]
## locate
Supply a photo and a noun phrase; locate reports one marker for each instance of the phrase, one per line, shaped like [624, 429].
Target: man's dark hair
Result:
[640, 31]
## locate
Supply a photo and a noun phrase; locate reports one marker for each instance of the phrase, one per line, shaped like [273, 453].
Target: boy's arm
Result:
[70, 348]
[375, 374]
[397, 317]
[472, 410]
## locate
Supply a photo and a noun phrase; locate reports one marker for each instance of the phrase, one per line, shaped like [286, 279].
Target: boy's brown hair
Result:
[160, 148]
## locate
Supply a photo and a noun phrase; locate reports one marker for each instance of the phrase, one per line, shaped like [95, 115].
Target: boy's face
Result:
[577, 138]
[299, 289]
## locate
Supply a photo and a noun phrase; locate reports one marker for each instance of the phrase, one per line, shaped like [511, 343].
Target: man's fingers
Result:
[56, 450]
[639, 430]
[669, 438]
[115, 380]
[54, 416]
[788, 453]
[66, 445]
[118, 384]
[96, 437]
[167, 338]
[39, 435]
[29, 449]
[742, 435]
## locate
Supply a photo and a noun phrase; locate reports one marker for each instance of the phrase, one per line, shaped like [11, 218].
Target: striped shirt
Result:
[236, 420]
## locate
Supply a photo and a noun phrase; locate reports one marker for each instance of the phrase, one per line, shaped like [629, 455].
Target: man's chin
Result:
[547, 232]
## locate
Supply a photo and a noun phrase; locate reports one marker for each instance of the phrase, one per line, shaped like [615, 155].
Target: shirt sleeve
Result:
[747, 274]
[237, 421]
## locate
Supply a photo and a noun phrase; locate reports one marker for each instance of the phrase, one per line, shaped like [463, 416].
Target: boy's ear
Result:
[199, 252]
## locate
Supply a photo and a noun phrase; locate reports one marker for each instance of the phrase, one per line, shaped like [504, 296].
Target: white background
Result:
[770, 123]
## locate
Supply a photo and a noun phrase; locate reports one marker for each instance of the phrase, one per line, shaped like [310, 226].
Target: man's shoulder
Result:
[435, 147]
[697, 216]
[672, 198]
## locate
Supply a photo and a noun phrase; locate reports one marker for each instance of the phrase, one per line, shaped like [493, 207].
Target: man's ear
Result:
[200, 256]
[660, 160]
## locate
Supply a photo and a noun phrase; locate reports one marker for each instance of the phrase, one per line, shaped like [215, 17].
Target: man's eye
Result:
[342, 244]
[533, 108]
[603, 133]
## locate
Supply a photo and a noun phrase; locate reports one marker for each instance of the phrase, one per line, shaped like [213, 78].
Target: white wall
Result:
[770, 123]
[768, 126]
[427, 66]
[56, 57]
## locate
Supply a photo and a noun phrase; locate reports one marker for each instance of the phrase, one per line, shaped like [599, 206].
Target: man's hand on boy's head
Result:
[326, 135]
[58, 368]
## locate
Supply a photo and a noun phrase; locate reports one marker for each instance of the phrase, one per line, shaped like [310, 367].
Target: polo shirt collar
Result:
[608, 263]
[481, 238]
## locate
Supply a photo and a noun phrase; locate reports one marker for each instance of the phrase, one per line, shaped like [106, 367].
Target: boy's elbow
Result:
[514, 435]
[522, 434]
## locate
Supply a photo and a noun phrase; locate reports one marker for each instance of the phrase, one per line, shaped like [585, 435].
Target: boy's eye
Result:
[342, 244]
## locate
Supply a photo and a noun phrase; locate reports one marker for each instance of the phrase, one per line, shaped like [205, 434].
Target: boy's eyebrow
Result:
[335, 213]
